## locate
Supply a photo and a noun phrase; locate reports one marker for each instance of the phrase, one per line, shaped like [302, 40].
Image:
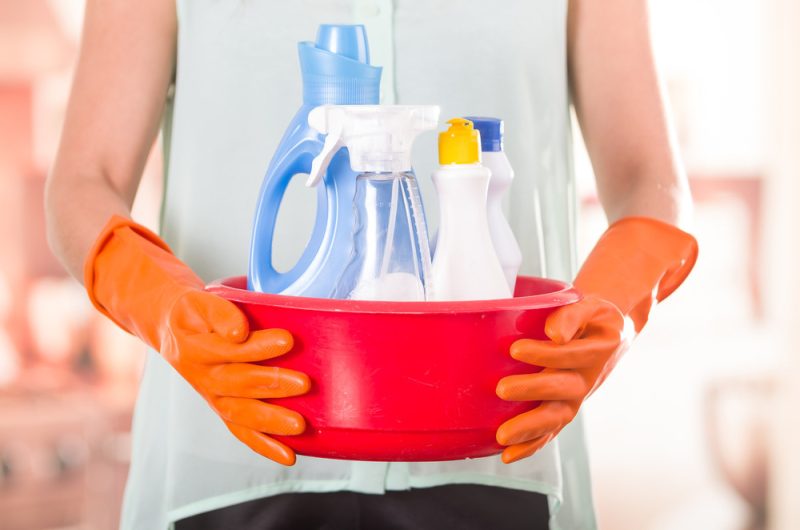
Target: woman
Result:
[202, 454]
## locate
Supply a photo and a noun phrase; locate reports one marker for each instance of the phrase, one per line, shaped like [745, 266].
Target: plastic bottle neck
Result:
[331, 91]
[462, 210]
[329, 78]
[462, 188]
[385, 175]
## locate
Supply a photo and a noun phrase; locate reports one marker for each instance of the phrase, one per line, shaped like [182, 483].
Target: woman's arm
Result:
[126, 64]
[620, 105]
[642, 257]
[125, 67]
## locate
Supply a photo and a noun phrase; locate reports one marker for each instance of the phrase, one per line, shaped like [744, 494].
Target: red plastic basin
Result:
[402, 381]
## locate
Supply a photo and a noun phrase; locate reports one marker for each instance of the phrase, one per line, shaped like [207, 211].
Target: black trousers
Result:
[451, 507]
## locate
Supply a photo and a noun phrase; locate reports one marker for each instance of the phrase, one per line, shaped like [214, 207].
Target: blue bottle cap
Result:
[342, 39]
[491, 130]
[336, 68]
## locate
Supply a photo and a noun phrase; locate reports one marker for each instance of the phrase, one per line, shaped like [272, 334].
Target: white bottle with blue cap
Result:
[494, 158]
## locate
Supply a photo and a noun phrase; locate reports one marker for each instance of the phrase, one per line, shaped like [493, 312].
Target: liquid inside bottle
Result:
[390, 258]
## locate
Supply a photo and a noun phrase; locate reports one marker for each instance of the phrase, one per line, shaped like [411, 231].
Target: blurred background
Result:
[696, 429]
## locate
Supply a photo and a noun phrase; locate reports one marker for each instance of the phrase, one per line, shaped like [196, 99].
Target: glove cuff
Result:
[132, 277]
[637, 262]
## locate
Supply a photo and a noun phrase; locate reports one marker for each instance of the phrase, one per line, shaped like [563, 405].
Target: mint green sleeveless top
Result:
[237, 87]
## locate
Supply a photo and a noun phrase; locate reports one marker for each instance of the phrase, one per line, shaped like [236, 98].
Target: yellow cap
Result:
[460, 144]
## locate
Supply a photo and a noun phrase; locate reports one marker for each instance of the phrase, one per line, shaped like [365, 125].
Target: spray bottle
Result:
[335, 70]
[465, 266]
[389, 253]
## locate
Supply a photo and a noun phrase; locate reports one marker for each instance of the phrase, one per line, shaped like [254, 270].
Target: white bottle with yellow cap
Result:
[465, 266]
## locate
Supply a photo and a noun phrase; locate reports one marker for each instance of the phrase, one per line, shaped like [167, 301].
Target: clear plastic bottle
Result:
[390, 257]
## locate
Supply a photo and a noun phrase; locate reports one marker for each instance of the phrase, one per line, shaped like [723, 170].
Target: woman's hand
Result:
[207, 341]
[586, 340]
[132, 277]
[637, 262]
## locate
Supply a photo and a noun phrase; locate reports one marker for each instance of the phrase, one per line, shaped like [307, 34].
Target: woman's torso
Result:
[237, 87]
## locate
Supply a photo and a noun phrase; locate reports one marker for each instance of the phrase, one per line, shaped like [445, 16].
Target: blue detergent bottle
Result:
[335, 70]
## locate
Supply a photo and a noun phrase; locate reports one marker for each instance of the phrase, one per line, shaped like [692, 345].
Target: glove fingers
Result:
[547, 385]
[578, 353]
[255, 381]
[261, 345]
[675, 276]
[259, 416]
[225, 318]
[263, 444]
[524, 450]
[202, 312]
[572, 321]
[548, 417]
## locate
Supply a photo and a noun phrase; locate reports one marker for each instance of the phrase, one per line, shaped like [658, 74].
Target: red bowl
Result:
[402, 381]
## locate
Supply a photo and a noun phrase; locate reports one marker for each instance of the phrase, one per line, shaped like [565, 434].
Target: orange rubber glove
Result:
[134, 279]
[637, 262]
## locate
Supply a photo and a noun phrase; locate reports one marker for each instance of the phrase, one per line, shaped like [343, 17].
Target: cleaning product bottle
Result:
[336, 70]
[496, 161]
[465, 266]
[389, 254]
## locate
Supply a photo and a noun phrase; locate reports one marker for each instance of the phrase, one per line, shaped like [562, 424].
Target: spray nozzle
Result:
[378, 137]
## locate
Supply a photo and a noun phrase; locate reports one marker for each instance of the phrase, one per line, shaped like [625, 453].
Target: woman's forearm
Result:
[77, 208]
[620, 104]
[121, 81]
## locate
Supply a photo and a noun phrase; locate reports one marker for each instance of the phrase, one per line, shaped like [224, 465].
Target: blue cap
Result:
[336, 68]
[491, 130]
[347, 40]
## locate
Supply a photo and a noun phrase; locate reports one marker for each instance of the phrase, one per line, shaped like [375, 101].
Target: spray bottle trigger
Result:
[319, 120]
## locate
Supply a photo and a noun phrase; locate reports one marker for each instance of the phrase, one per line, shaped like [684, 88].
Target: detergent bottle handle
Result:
[262, 275]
